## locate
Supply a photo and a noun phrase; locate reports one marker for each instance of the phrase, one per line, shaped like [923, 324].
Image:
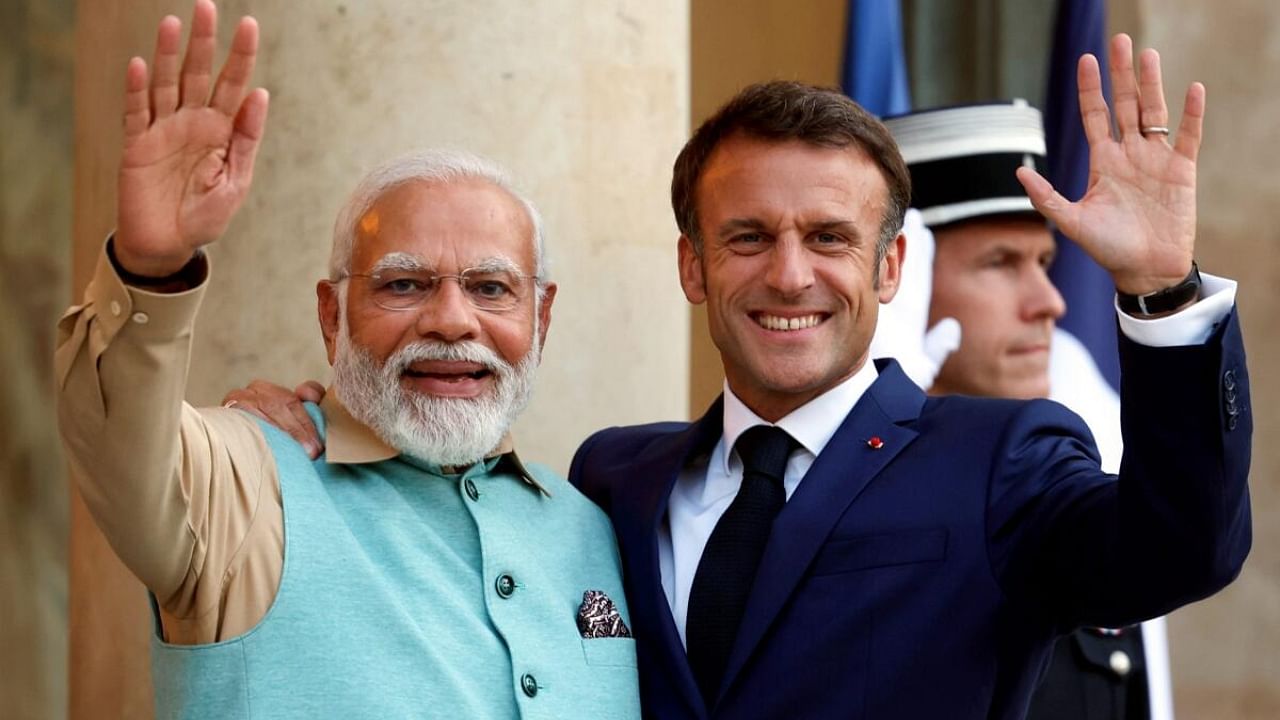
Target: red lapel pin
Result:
[875, 443]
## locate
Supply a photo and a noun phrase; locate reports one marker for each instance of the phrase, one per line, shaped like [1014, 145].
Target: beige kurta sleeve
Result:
[189, 499]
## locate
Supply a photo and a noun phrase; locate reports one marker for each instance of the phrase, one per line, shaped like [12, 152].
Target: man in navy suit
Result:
[906, 556]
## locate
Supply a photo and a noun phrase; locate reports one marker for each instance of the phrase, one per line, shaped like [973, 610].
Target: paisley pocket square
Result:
[598, 617]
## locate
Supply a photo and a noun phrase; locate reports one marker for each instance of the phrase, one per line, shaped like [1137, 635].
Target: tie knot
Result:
[764, 449]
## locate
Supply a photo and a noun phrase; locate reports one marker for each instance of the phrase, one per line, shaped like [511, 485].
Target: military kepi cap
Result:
[962, 159]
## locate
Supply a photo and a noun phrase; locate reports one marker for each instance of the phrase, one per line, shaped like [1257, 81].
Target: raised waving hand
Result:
[189, 144]
[1138, 217]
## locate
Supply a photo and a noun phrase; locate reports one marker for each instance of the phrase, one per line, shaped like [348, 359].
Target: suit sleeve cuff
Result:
[1191, 326]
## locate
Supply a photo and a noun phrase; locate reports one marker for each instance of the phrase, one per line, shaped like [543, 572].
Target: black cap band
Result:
[963, 159]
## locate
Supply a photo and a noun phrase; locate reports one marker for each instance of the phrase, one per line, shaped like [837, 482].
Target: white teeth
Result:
[773, 322]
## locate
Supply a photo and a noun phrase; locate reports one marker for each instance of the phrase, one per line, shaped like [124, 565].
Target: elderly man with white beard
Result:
[417, 568]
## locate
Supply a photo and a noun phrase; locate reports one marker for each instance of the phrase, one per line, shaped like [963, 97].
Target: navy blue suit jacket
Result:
[928, 578]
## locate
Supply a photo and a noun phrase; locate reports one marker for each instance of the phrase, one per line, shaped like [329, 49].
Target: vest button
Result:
[529, 684]
[505, 585]
[470, 487]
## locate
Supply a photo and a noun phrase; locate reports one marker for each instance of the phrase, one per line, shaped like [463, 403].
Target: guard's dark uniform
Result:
[1094, 675]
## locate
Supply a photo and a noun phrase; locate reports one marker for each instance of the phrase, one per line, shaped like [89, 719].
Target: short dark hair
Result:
[784, 110]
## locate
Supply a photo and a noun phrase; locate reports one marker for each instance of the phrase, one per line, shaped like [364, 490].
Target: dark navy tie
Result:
[728, 566]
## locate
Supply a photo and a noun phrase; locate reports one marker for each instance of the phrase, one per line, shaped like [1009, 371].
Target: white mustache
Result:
[466, 351]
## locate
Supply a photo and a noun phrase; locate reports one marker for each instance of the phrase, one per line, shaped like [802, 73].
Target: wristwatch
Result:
[1163, 301]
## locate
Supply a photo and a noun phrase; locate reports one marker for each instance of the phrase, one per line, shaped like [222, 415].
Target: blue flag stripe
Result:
[875, 66]
[1086, 287]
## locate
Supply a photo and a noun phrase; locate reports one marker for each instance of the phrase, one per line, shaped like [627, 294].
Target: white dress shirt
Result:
[703, 492]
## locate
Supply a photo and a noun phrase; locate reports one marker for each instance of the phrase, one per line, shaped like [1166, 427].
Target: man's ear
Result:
[544, 313]
[890, 270]
[328, 308]
[691, 276]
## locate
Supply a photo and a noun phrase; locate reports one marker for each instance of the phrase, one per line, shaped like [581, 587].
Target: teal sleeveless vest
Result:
[407, 593]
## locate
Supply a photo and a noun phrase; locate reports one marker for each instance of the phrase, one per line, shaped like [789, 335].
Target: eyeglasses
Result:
[486, 289]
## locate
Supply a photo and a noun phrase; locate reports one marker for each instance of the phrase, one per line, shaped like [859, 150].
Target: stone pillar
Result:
[36, 56]
[586, 103]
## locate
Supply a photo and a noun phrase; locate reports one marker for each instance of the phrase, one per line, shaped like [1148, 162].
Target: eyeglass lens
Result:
[485, 289]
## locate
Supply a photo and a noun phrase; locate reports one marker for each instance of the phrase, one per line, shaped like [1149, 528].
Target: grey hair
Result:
[431, 166]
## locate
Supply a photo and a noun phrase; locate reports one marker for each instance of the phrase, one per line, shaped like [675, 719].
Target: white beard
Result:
[439, 430]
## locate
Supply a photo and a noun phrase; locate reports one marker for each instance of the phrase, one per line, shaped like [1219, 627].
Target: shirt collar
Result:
[812, 424]
[349, 441]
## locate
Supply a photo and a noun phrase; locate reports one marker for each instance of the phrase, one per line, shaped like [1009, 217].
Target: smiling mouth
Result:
[788, 324]
[449, 377]
[447, 371]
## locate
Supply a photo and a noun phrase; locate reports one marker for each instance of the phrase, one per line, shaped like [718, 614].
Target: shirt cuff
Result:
[1190, 326]
[162, 314]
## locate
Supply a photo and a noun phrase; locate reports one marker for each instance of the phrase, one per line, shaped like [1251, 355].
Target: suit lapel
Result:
[643, 505]
[832, 483]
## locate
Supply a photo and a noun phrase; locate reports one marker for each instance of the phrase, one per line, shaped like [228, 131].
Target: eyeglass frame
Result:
[435, 278]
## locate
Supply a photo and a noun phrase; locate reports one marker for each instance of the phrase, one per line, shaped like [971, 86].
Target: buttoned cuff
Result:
[1190, 326]
[161, 314]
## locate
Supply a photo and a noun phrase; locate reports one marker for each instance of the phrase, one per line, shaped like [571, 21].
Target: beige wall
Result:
[586, 102]
[1226, 650]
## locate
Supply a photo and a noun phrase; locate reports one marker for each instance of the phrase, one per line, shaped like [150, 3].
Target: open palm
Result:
[1137, 218]
[188, 155]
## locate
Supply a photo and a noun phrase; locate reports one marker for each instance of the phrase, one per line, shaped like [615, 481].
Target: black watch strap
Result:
[1163, 301]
